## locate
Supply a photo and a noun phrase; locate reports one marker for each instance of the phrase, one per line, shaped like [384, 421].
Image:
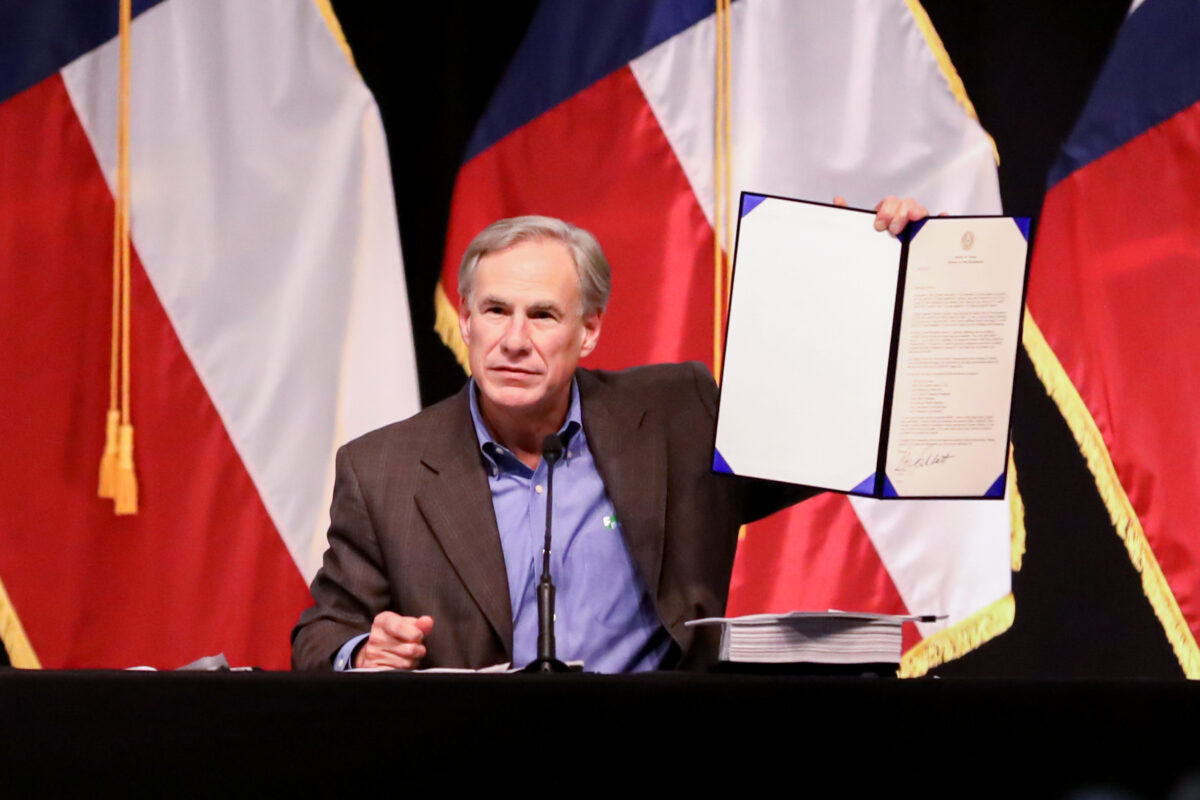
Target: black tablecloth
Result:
[646, 735]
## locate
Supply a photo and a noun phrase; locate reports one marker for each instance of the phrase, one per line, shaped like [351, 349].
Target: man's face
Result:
[524, 329]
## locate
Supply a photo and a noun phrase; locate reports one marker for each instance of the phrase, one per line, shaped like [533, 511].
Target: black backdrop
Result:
[1027, 67]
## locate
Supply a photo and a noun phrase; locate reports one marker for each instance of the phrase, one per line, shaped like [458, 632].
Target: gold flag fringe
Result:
[335, 28]
[445, 323]
[934, 42]
[12, 633]
[958, 640]
[1016, 512]
[1124, 518]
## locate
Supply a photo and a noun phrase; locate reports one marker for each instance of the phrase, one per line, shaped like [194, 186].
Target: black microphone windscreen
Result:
[552, 448]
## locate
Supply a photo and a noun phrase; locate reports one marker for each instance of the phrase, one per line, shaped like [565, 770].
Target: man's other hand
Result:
[395, 642]
[893, 213]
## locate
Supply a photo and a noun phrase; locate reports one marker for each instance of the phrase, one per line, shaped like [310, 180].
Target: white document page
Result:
[954, 368]
[807, 348]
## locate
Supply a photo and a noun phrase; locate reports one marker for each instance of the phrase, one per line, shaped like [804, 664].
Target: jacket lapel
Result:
[631, 456]
[456, 502]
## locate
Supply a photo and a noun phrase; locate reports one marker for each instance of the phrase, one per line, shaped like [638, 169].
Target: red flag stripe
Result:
[773, 571]
[1112, 289]
[202, 556]
[628, 190]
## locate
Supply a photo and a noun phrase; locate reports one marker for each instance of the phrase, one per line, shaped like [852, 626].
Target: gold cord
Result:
[117, 478]
[722, 182]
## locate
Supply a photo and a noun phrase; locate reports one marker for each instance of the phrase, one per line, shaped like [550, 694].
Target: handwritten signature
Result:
[908, 461]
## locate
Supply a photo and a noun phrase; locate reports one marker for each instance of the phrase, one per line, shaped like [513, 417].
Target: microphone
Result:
[552, 449]
[552, 453]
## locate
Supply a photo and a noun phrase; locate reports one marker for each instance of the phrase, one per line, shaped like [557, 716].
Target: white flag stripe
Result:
[263, 214]
[948, 557]
[814, 116]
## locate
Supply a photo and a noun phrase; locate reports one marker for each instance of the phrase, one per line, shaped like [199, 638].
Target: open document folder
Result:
[870, 364]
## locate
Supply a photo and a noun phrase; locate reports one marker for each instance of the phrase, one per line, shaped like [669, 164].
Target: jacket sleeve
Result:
[351, 586]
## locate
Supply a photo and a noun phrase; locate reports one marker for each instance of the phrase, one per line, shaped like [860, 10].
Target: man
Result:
[436, 522]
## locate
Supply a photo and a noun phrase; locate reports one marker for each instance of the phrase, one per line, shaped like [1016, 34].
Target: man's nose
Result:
[516, 334]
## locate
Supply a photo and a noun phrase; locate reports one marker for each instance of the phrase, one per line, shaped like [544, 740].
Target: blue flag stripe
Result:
[40, 37]
[570, 45]
[1134, 93]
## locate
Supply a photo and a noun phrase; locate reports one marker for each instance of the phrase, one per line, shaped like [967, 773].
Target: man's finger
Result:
[408, 650]
[840, 201]
[405, 629]
[386, 644]
[886, 211]
[404, 656]
[390, 653]
[388, 660]
[908, 211]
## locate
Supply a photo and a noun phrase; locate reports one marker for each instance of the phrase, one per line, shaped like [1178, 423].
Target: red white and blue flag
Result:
[269, 322]
[1113, 292]
[606, 118]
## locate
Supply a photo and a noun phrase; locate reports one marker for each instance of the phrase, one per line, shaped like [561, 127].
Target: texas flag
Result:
[269, 322]
[606, 118]
[1113, 299]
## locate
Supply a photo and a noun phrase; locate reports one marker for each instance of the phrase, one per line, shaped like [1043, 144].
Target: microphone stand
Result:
[552, 451]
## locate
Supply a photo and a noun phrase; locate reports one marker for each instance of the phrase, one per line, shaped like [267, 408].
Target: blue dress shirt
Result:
[604, 615]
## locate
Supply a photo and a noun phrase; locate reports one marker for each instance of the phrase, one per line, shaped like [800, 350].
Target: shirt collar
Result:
[499, 458]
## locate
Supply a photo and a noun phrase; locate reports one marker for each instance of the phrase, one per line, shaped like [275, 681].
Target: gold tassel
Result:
[126, 483]
[117, 478]
[108, 461]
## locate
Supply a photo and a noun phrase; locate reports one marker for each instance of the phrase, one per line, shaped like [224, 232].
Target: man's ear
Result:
[464, 320]
[591, 333]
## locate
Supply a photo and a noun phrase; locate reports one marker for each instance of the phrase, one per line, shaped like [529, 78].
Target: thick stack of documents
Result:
[811, 637]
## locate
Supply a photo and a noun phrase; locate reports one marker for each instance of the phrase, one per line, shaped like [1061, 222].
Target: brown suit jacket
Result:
[412, 526]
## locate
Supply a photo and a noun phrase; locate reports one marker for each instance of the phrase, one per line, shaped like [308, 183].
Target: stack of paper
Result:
[813, 637]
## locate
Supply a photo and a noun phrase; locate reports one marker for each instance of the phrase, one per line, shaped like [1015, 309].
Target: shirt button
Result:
[538, 488]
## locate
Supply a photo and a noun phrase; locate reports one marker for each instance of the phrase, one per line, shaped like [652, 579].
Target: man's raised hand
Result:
[395, 642]
[893, 213]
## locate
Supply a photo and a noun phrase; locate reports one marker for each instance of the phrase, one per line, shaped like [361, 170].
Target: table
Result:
[656, 734]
